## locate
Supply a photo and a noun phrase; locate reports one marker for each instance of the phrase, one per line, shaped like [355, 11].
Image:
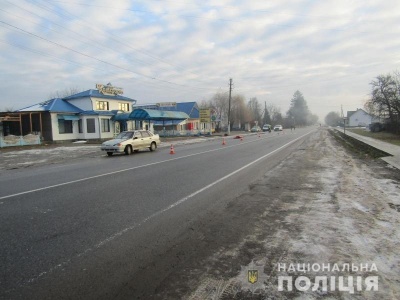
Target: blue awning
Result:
[68, 117]
[121, 117]
[157, 115]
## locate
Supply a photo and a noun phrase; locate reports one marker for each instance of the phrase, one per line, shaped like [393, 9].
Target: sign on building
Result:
[166, 104]
[108, 89]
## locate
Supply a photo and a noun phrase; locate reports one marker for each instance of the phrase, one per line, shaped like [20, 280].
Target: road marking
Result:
[125, 170]
[152, 216]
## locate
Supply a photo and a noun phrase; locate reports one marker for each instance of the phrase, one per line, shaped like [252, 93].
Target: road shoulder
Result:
[322, 205]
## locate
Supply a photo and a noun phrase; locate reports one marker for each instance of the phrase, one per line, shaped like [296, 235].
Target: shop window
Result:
[102, 105]
[91, 126]
[64, 126]
[105, 125]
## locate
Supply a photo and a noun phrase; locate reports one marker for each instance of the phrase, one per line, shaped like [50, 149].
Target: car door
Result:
[137, 142]
[146, 139]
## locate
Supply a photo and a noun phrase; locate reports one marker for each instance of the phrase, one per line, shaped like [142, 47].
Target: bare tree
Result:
[65, 93]
[219, 103]
[239, 111]
[204, 104]
[333, 118]
[255, 110]
[385, 100]
[275, 114]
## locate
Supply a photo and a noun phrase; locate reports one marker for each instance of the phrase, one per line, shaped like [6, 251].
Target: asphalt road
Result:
[108, 227]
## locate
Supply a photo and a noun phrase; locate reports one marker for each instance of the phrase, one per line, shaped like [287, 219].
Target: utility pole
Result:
[229, 106]
[344, 121]
[265, 113]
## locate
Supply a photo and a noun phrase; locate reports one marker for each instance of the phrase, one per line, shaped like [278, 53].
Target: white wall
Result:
[112, 103]
[85, 135]
[360, 118]
[84, 103]
[107, 135]
[57, 136]
[89, 103]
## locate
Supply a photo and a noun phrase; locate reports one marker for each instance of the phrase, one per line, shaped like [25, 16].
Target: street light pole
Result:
[229, 106]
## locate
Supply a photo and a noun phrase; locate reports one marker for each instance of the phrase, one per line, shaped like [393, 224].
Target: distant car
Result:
[278, 128]
[255, 129]
[129, 141]
[266, 127]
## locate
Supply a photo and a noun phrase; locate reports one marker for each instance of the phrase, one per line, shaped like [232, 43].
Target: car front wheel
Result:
[153, 146]
[128, 150]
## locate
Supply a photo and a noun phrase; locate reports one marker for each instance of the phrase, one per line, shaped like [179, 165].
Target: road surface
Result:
[108, 227]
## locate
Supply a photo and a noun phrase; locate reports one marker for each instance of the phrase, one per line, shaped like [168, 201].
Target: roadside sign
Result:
[205, 115]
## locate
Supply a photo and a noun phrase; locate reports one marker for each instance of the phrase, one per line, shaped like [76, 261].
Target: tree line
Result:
[254, 112]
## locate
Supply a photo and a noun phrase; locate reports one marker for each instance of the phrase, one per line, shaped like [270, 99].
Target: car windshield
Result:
[124, 135]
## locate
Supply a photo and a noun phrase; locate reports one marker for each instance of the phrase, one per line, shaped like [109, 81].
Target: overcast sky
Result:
[183, 51]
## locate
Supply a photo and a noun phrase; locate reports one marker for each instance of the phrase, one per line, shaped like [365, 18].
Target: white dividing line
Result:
[120, 171]
[129, 228]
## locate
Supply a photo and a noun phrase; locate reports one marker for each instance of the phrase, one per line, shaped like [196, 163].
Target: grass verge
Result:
[383, 136]
[357, 147]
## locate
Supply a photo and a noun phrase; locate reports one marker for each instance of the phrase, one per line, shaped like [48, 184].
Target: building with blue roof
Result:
[98, 114]
[82, 116]
[190, 126]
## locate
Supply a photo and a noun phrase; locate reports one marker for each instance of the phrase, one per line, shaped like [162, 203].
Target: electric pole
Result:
[265, 113]
[344, 120]
[229, 106]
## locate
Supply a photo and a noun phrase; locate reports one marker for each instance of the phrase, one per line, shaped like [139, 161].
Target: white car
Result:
[129, 141]
[278, 128]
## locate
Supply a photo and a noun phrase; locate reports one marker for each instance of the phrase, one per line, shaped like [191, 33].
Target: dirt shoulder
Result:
[322, 206]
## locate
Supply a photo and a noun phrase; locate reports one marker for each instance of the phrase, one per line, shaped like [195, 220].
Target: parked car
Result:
[131, 141]
[266, 127]
[278, 128]
[255, 129]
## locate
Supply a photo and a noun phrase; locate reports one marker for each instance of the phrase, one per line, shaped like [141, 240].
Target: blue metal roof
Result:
[190, 108]
[97, 94]
[52, 105]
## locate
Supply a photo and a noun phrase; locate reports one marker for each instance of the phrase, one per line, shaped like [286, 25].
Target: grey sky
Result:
[187, 50]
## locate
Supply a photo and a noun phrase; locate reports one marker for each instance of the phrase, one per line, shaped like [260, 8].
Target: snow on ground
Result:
[15, 159]
[322, 206]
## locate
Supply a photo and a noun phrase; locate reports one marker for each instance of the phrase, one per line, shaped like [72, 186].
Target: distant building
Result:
[360, 118]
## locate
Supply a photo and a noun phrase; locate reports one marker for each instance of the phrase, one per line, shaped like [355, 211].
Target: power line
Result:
[97, 59]
[144, 52]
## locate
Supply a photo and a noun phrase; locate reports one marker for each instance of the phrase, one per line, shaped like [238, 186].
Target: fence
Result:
[13, 140]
